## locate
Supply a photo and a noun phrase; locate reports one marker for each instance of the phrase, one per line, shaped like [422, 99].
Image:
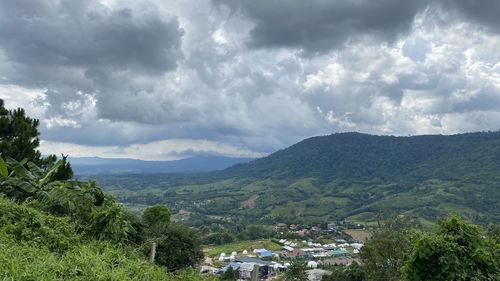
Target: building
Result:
[263, 253]
[340, 253]
[280, 227]
[293, 253]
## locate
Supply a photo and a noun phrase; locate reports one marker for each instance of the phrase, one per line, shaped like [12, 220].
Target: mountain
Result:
[95, 165]
[356, 156]
[349, 175]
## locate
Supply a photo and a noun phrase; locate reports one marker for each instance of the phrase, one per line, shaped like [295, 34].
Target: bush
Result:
[26, 225]
[178, 247]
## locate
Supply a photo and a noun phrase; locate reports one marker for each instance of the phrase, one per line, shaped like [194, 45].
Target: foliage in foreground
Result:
[70, 230]
[458, 251]
[296, 271]
[37, 246]
[19, 140]
[56, 228]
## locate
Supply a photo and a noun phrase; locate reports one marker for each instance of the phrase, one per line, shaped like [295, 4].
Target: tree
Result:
[178, 247]
[354, 272]
[253, 232]
[218, 238]
[384, 255]
[19, 139]
[18, 135]
[230, 274]
[64, 172]
[458, 251]
[92, 212]
[156, 218]
[296, 271]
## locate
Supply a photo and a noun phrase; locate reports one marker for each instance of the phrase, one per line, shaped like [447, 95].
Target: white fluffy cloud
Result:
[116, 78]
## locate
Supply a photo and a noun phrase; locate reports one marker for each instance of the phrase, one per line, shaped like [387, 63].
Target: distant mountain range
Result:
[347, 175]
[96, 165]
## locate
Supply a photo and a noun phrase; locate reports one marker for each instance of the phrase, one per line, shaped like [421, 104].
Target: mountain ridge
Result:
[98, 165]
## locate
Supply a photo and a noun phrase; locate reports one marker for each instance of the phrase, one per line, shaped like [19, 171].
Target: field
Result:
[240, 246]
[359, 234]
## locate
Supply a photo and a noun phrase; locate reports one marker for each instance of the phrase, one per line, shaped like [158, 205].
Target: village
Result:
[269, 264]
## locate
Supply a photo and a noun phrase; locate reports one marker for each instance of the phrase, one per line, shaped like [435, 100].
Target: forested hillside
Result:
[350, 175]
[355, 156]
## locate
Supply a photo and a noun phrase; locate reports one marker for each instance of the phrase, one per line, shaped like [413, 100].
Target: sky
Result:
[164, 80]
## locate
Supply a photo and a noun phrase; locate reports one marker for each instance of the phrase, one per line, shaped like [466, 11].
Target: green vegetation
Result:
[19, 140]
[68, 230]
[354, 272]
[354, 176]
[240, 246]
[55, 228]
[296, 272]
[37, 246]
[455, 251]
[458, 251]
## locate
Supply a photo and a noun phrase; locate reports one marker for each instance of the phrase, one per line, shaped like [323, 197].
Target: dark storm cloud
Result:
[75, 47]
[484, 12]
[86, 33]
[255, 74]
[319, 26]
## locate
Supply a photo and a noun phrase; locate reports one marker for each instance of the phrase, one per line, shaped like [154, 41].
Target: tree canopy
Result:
[19, 139]
[18, 135]
[458, 251]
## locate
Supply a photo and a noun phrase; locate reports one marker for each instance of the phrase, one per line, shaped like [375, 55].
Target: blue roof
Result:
[265, 253]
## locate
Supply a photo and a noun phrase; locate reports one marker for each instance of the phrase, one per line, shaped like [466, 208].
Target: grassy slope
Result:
[37, 246]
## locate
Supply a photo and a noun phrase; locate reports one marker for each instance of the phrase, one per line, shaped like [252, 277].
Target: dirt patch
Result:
[362, 235]
[250, 202]
[184, 213]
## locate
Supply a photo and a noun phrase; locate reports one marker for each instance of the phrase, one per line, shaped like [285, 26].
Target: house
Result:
[263, 253]
[332, 227]
[340, 253]
[248, 265]
[293, 254]
[346, 261]
[315, 229]
[280, 227]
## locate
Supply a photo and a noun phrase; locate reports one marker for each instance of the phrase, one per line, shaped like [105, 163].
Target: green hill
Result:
[366, 157]
[348, 175]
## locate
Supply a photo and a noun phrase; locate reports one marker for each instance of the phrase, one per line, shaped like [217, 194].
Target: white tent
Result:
[312, 264]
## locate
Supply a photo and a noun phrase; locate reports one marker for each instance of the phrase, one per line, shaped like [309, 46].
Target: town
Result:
[340, 247]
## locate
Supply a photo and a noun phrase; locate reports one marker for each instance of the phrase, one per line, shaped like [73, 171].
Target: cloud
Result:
[253, 76]
[483, 12]
[320, 26]
[172, 149]
[74, 49]
[391, 89]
